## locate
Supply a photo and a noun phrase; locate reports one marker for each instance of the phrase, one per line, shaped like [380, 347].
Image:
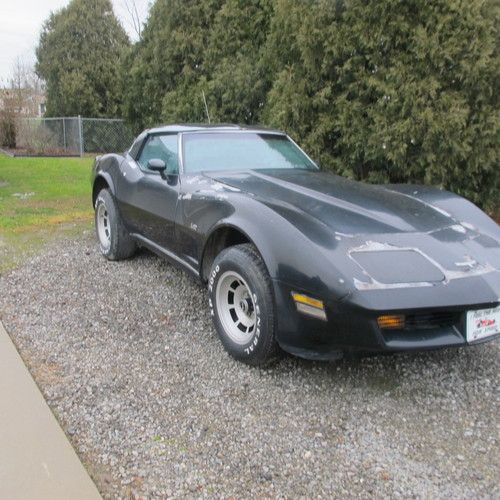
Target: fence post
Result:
[64, 132]
[80, 134]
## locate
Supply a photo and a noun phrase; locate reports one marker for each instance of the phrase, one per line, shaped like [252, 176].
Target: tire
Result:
[115, 242]
[242, 305]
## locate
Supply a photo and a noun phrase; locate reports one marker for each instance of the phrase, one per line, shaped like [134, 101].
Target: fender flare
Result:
[100, 179]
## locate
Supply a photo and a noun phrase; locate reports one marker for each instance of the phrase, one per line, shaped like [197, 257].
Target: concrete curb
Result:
[36, 459]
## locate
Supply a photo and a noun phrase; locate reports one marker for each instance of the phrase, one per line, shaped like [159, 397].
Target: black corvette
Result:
[296, 258]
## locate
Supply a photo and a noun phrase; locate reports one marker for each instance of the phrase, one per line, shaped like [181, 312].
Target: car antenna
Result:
[206, 107]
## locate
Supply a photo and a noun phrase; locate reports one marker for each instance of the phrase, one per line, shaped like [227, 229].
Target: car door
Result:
[149, 199]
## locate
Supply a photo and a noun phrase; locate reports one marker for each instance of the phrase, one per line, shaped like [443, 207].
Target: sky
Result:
[21, 22]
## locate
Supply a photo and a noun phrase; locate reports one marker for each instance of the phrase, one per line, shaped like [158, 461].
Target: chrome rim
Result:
[235, 307]
[103, 226]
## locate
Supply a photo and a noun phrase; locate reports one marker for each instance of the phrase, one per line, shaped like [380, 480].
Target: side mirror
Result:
[157, 165]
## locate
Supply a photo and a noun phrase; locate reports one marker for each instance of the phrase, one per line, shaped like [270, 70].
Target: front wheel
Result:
[242, 305]
[115, 242]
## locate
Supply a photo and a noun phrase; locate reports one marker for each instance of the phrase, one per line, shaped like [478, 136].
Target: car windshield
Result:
[241, 151]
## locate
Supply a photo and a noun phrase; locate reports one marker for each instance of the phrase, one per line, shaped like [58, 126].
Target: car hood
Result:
[345, 206]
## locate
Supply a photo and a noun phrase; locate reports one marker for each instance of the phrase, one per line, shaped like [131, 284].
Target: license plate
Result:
[483, 323]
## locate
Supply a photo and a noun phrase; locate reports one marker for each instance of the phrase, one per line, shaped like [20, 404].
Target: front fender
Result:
[460, 209]
[105, 170]
[291, 256]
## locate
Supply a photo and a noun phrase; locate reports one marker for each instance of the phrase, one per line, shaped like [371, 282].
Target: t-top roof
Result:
[201, 127]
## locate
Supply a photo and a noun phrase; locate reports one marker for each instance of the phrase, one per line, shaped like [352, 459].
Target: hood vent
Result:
[397, 266]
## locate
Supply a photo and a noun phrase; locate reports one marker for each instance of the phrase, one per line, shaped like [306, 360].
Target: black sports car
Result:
[296, 258]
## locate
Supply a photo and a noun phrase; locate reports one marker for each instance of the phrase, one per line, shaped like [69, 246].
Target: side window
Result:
[160, 147]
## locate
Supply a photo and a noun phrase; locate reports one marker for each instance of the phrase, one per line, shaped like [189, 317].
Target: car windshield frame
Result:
[309, 164]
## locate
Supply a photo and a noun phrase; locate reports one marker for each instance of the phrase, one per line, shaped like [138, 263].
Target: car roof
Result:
[203, 127]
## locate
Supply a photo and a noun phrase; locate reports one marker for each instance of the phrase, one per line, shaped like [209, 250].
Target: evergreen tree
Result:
[78, 56]
[165, 66]
[237, 78]
[380, 90]
[393, 91]
[190, 48]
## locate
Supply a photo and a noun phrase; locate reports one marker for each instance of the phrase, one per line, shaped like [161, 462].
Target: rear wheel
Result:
[115, 242]
[242, 305]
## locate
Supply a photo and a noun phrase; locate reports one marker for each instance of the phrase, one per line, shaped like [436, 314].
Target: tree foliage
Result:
[190, 48]
[78, 56]
[381, 90]
[392, 91]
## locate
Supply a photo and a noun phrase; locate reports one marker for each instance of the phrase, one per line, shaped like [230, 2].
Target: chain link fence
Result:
[71, 136]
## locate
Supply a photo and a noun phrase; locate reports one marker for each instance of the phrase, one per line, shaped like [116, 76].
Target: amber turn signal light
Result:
[394, 321]
[308, 305]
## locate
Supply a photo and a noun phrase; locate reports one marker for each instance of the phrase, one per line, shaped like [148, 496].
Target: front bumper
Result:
[351, 327]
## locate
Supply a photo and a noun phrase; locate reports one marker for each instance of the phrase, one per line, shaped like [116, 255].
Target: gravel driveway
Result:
[127, 358]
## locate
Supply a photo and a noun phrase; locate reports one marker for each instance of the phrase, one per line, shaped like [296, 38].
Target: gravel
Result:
[129, 362]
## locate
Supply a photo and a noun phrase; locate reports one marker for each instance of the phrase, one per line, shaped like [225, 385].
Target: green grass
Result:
[41, 199]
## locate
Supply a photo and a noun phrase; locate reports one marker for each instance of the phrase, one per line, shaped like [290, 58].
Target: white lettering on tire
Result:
[248, 350]
[211, 280]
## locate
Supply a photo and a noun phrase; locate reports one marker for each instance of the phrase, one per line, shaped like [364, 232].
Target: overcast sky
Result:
[21, 21]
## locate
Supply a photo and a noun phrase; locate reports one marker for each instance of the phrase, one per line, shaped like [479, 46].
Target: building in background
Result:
[25, 102]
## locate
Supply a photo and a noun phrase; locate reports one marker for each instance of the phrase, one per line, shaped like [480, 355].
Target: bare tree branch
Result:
[25, 88]
[24, 76]
[134, 17]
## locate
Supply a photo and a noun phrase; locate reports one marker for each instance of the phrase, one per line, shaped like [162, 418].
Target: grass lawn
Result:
[41, 199]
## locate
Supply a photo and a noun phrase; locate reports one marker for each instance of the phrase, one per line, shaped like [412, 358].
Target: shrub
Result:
[7, 129]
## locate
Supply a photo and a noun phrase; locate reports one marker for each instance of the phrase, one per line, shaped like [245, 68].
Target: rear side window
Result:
[160, 147]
